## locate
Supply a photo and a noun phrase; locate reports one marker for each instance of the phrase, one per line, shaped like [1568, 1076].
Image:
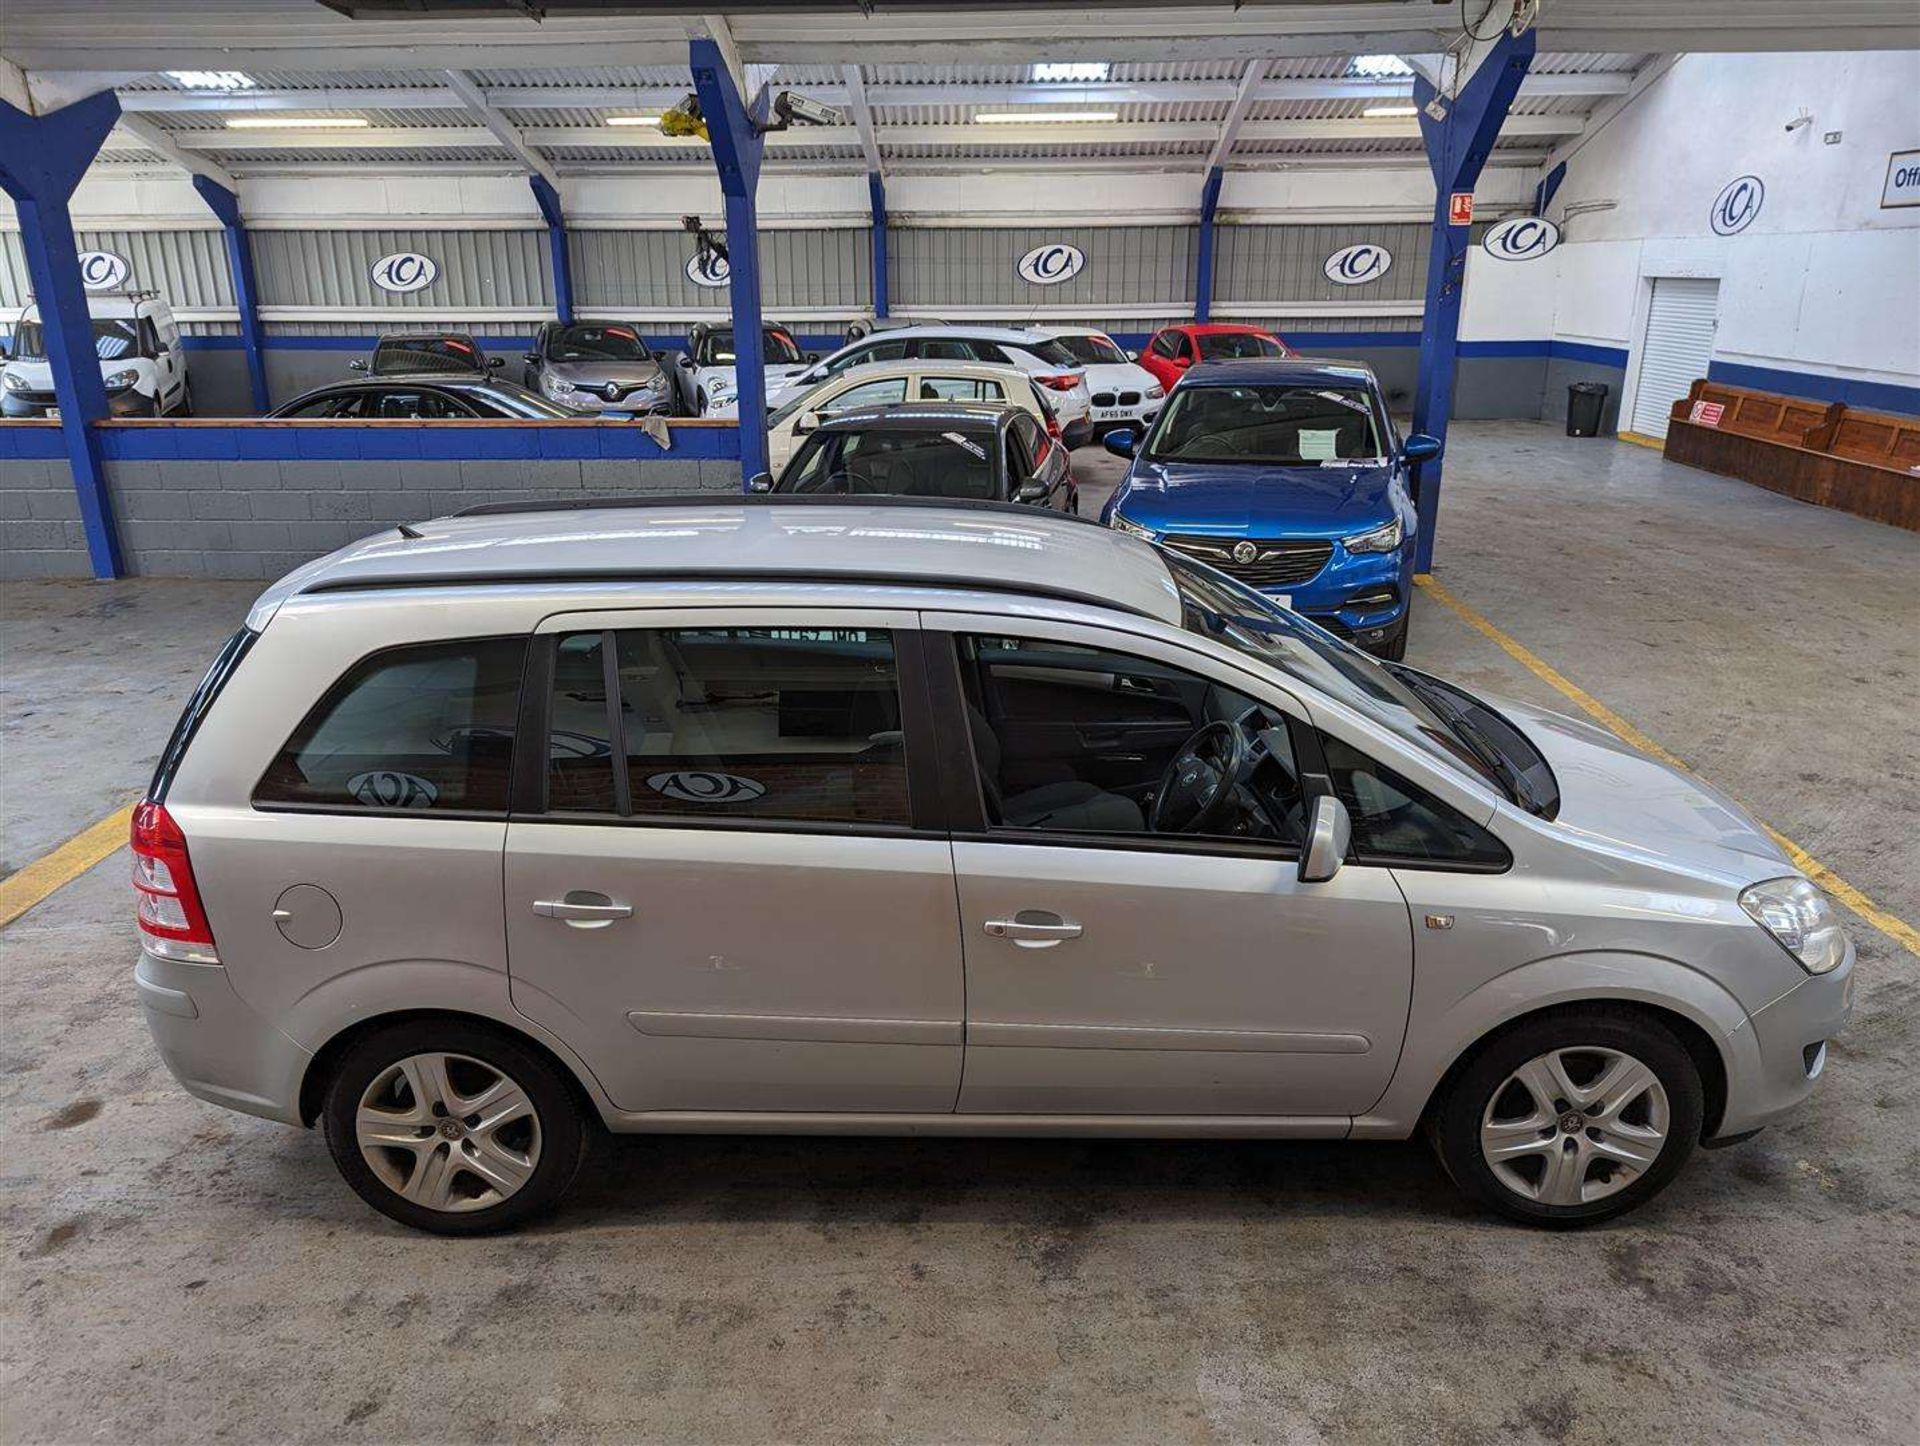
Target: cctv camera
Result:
[791, 106]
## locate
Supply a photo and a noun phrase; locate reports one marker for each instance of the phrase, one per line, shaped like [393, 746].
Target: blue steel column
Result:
[877, 194]
[1457, 148]
[246, 291]
[737, 147]
[549, 199]
[1203, 274]
[42, 159]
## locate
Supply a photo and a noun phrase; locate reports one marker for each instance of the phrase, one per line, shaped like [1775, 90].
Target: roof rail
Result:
[769, 499]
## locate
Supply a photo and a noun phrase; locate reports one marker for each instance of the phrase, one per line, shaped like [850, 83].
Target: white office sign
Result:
[1357, 265]
[1051, 264]
[708, 268]
[102, 270]
[1521, 238]
[405, 271]
[1903, 180]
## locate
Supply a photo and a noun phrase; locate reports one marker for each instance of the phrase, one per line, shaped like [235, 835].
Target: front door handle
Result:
[1033, 929]
[581, 909]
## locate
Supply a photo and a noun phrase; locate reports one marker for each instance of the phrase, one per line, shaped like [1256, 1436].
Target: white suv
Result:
[141, 360]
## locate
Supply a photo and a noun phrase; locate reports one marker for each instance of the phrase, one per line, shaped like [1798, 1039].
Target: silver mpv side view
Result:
[808, 816]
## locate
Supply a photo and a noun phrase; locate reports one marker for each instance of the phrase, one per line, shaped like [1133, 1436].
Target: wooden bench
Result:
[1867, 463]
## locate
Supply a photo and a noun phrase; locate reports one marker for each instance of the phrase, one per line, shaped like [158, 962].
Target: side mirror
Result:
[356, 365]
[1133, 356]
[494, 363]
[1032, 491]
[760, 482]
[1329, 832]
[531, 358]
[1183, 362]
[1420, 447]
[1120, 442]
[806, 422]
[812, 356]
[684, 362]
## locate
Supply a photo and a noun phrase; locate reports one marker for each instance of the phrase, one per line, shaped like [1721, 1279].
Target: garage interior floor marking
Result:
[1895, 928]
[21, 891]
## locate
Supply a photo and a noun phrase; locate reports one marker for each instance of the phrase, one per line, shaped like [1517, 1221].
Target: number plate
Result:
[1113, 414]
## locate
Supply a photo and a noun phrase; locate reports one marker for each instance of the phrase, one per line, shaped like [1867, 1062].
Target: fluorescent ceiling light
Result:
[296, 122]
[1374, 112]
[1008, 118]
[1379, 67]
[1070, 70]
[633, 120]
[211, 79]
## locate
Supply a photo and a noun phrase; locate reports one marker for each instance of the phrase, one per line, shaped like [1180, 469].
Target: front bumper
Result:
[1362, 597]
[127, 402]
[1790, 1051]
[214, 1044]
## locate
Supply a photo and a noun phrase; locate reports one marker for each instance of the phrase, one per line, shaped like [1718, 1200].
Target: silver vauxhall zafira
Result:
[801, 815]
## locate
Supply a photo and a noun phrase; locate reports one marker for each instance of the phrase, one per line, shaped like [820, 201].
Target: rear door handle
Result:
[583, 910]
[1031, 929]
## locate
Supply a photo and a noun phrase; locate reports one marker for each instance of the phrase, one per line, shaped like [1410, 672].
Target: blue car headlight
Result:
[1132, 529]
[1380, 539]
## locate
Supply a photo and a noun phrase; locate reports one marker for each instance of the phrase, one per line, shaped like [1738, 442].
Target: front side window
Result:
[410, 403]
[796, 725]
[1167, 343]
[1237, 345]
[892, 462]
[328, 405]
[426, 728]
[1281, 424]
[944, 348]
[867, 394]
[1396, 820]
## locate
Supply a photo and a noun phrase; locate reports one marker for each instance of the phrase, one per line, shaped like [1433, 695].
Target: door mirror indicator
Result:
[1329, 832]
[1420, 447]
[1120, 442]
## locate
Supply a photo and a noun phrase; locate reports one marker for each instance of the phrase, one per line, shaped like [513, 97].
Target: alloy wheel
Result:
[1575, 1125]
[448, 1132]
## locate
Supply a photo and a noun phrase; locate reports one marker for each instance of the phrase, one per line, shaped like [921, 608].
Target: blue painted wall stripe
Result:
[1868, 395]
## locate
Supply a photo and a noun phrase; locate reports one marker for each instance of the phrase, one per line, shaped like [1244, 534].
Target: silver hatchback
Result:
[796, 815]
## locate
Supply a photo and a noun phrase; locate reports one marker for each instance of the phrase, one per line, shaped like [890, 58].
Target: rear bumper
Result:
[1077, 434]
[1791, 1036]
[217, 1047]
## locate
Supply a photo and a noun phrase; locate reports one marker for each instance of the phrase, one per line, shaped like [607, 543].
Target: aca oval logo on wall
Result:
[1354, 265]
[1051, 264]
[404, 271]
[1521, 238]
[708, 268]
[1737, 204]
[102, 270]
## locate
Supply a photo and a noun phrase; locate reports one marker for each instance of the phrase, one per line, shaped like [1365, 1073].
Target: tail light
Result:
[1053, 426]
[1060, 382]
[173, 923]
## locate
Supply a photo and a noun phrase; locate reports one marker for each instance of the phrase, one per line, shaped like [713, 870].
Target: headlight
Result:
[1801, 918]
[120, 381]
[720, 391]
[553, 388]
[14, 382]
[1133, 529]
[1156, 393]
[1381, 539]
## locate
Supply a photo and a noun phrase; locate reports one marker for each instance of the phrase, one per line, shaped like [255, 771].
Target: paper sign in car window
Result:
[966, 442]
[1317, 445]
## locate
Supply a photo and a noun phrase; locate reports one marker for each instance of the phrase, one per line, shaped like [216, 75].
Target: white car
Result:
[705, 369]
[141, 359]
[1123, 393]
[885, 383]
[1034, 352]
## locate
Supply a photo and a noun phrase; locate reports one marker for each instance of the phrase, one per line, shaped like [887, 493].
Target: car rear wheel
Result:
[1572, 1118]
[453, 1127]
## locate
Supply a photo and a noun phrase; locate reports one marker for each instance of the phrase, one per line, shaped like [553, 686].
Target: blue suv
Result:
[1289, 476]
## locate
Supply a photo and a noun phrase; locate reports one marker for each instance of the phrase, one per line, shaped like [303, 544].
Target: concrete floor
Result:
[174, 1272]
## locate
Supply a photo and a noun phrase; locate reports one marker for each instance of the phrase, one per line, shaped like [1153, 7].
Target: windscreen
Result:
[778, 348]
[597, 343]
[1235, 345]
[952, 462]
[411, 355]
[1282, 423]
[1092, 350]
[113, 338]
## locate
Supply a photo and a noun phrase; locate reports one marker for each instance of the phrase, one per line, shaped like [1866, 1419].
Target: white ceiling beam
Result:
[502, 129]
[152, 138]
[1236, 115]
[862, 115]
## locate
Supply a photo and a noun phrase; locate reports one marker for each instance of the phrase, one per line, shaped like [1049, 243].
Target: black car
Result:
[433, 397]
[450, 353]
[929, 449]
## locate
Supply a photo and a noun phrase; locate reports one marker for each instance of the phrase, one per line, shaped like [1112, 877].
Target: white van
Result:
[141, 359]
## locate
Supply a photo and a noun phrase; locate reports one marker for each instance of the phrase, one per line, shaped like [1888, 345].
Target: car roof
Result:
[879, 370]
[887, 541]
[1219, 328]
[1014, 334]
[390, 338]
[920, 416]
[1252, 371]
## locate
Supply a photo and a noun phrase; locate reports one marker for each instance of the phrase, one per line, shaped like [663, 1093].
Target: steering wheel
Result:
[852, 483]
[1220, 440]
[1196, 791]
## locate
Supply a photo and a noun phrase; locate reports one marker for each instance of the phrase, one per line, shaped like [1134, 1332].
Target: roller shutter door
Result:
[1679, 344]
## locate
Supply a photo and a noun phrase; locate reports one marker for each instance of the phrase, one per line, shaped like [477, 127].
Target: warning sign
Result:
[1707, 414]
[1460, 208]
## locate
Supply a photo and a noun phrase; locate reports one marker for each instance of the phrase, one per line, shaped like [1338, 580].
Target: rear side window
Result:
[427, 728]
[224, 664]
[1397, 821]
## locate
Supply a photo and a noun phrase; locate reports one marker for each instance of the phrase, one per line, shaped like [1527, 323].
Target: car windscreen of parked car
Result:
[596, 343]
[411, 355]
[949, 463]
[1093, 350]
[113, 338]
[1236, 345]
[1289, 425]
[716, 348]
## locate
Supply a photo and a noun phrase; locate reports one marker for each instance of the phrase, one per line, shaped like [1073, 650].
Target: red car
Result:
[1175, 348]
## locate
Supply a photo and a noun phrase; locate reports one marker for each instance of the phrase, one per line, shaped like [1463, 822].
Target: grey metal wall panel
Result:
[14, 287]
[188, 268]
[648, 269]
[1287, 263]
[956, 266]
[331, 268]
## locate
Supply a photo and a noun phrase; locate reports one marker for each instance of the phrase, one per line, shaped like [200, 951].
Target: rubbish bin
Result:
[1585, 402]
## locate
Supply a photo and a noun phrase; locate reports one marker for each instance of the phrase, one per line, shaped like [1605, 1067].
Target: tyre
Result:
[453, 1127]
[700, 403]
[1395, 650]
[185, 408]
[1571, 1118]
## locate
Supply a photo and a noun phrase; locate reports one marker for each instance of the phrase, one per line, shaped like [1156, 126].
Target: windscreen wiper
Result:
[1476, 742]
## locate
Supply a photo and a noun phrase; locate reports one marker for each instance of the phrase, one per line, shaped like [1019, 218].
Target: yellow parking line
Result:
[1894, 927]
[21, 891]
[1639, 440]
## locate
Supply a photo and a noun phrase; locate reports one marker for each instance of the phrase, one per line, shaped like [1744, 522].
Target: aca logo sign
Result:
[708, 268]
[1353, 265]
[1737, 204]
[1051, 264]
[1521, 238]
[102, 270]
[404, 271]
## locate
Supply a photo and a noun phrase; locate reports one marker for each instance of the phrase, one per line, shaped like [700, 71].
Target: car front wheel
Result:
[1571, 1118]
[453, 1127]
